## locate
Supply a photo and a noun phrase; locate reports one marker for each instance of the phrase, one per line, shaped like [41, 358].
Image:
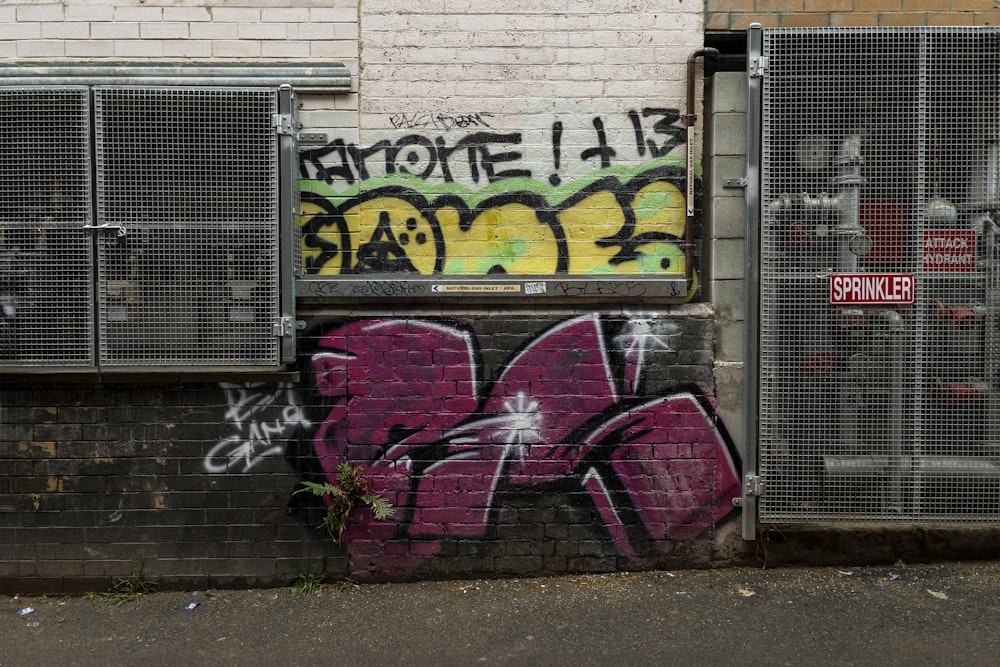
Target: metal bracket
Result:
[734, 182]
[757, 67]
[284, 327]
[313, 138]
[283, 123]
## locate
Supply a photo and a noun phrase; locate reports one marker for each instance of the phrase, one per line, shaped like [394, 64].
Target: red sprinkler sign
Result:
[871, 289]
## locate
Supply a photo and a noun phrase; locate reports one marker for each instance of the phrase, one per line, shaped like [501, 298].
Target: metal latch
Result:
[284, 327]
[757, 67]
[734, 182]
[119, 229]
[283, 123]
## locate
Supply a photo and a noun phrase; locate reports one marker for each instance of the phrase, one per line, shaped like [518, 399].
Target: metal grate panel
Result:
[880, 275]
[45, 252]
[187, 189]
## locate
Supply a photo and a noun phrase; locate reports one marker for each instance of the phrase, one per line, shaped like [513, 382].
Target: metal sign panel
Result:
[871, 289]
[878, 389]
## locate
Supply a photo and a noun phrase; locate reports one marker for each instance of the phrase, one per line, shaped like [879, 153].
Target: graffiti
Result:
[438, 121]
[486, 157]
[406, 399]
[256, 436]
[630, 222]
[421, 204]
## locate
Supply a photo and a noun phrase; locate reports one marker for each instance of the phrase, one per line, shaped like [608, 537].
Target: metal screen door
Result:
[879, 365]
[187, 188]
[46, 310]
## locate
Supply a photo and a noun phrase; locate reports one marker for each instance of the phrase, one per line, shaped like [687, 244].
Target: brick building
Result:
[471, 250]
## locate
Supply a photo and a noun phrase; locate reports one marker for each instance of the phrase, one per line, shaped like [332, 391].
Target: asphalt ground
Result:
[936, 614]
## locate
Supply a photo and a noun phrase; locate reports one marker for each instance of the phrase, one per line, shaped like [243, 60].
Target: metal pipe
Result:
[689, 121]
[327, 77]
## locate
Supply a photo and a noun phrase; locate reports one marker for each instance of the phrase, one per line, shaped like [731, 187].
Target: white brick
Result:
[62, 30]
[89, 13]
[138, 48]
[191, 14]
[21, 30]
[8, 14]
[261, 31]
[138, 14]
[213, 31]
[163, 31]
[40, 13]
[8, 50]
[41, 48]
[235, 15]
[187, 48]
[285, 49]
[114, 31]
[312, 31]
[285, 15]
[334, 49]
[333, 14]
[90, 48]
[236, 49]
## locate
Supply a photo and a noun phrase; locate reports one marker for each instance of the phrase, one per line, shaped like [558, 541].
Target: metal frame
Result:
[751, 338]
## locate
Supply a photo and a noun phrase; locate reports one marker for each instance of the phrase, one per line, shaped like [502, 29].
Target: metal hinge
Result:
[734, 182]
[284, 327]
[757, 67]
[754, 485]
[283, 123]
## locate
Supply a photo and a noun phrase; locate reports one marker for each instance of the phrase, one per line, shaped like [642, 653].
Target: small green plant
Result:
[126, 589]
[306, 582]
[350, 491]
[36, 501]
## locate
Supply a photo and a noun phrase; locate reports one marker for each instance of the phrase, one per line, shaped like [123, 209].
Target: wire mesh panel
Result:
[187, 198]
[45, 252]
[880, 296]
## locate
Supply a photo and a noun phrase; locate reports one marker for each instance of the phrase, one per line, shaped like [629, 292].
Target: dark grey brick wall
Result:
[586, 443]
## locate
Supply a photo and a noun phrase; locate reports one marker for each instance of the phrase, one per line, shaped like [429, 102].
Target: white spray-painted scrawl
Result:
[261, 417]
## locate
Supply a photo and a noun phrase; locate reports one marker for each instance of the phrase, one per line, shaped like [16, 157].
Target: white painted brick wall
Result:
[231, 31]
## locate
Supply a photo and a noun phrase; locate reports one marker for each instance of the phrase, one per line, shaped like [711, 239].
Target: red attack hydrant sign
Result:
[871, 289]
[947, 250]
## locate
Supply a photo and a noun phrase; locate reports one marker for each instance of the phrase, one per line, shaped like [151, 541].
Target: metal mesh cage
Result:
[187, 185]
[45, 253]
[880, 295]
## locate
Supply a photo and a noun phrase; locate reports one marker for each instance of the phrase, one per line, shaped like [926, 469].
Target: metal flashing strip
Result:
[328, 77]
[674, 290]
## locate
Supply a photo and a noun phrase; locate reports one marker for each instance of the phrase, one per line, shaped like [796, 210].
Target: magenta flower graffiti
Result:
[408, 403]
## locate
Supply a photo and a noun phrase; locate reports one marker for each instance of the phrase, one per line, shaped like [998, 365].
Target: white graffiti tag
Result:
[252, 408]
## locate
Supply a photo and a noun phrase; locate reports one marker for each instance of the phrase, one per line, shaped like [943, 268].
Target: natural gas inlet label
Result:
[872, 289]
[476, 288]
[949, 250]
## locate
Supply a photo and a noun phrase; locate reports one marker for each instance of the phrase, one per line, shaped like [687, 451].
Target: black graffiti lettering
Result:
[412, 158]
[602, 150]
[665, 126]
[440, 121]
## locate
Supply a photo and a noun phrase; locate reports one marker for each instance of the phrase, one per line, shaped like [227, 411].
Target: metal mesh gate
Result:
[879, 287]
[142, 226]
[187, 188]
[45, 254]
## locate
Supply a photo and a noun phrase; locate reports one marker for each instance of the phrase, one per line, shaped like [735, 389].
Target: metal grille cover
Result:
[187, 187]
[45, 254]
[880, 275]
